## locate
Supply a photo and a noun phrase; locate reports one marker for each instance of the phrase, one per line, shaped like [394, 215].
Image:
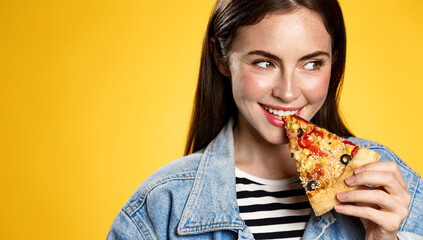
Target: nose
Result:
[286, 88]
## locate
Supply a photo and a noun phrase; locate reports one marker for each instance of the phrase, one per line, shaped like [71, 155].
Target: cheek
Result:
[248, 86]
[317, 90]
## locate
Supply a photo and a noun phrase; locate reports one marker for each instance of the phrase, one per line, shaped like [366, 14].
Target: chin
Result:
[280, 139]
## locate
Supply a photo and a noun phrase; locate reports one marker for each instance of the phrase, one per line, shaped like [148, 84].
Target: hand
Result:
[381, 209]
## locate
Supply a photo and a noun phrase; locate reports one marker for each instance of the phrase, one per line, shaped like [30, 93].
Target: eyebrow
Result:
[274, 57]
[315, 54]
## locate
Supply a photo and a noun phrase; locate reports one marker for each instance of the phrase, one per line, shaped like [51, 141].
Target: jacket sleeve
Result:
[411, 227]
[123, 228]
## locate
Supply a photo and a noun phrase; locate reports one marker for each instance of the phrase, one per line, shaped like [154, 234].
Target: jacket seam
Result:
[147, 230]
[205, 228]
[323, 231]
[140, 200]
[411, 204]
[137, 226]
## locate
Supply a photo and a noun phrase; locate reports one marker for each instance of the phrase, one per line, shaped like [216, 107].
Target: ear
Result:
[221, 65]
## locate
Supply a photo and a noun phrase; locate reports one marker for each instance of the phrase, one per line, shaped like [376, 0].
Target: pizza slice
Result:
[324, 161]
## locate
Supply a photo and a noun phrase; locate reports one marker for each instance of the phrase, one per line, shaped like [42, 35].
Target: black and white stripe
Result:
[272, 209]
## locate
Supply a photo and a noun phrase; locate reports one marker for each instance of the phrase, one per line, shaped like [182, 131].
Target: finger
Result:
[387, 166]
[369, 188]
[385, 179]
[386, 220]
[373, 197]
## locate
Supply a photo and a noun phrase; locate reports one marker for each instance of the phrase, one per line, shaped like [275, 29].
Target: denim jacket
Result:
[194, 197]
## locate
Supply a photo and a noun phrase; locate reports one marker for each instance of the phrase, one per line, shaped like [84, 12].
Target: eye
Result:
[314, 65]
[265, 64]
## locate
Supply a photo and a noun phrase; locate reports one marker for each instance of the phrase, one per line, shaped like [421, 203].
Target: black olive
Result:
[300, 132]
[292, 155]
[312, 185]
[345, 159]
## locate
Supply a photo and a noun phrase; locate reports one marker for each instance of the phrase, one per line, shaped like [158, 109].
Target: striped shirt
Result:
[272, 209]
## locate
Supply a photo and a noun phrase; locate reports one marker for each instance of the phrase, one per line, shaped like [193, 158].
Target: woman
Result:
[262, 60]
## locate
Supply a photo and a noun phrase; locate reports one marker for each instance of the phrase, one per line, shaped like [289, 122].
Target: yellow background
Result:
[96, 95]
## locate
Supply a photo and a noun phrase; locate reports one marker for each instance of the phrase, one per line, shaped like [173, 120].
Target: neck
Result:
[258, 157]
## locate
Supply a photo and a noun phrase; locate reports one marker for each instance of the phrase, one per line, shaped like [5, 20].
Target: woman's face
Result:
[277, 67]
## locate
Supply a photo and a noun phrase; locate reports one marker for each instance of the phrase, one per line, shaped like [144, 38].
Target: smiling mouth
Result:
[278, 113]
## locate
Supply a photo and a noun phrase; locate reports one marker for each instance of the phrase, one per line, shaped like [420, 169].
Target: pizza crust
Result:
[325, 200]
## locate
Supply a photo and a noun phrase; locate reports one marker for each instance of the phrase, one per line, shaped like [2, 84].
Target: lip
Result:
[274, 121]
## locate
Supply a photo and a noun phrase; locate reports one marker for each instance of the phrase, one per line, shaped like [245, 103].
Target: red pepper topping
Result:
[354, 151]
[305, 141]
[317, 132]
[349, 143]
[317, 151]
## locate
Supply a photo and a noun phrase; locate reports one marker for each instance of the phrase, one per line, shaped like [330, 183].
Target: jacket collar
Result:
[212, 203]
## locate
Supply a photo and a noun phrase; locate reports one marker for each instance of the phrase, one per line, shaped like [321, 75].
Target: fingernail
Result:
[338, 207]
[350, 180]
[359, 170]
[341, 195]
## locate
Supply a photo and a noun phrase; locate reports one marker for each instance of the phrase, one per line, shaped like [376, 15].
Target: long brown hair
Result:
[213, 102]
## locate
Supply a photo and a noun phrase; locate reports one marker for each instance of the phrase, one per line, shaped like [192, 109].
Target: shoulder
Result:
[158, 202]
[178, 172]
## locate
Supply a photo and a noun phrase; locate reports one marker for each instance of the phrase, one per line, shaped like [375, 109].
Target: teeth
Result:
[279, 113]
